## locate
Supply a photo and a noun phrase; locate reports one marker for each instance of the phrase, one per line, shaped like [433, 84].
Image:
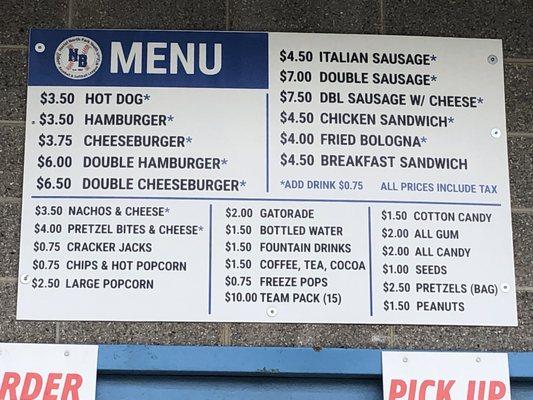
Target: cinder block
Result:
[15, 331]
[140, 14]
[518, 95]
[520, 151]
[9, 239]
[472, 338]
[305, 16]
[198, 334]
[523, 245]
[17, 17]
[13, 66]
[506, 20]
[310, 335]
[11, 160]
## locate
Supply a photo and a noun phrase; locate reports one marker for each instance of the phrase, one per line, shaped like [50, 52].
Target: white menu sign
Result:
[268, 177]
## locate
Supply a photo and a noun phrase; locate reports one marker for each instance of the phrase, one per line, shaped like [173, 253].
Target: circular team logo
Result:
[78, 57]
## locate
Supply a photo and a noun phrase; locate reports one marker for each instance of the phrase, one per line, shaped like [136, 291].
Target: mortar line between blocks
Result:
[519, 61]
[382, 16]
[70, 13]
[10, 200]
[57, 332]
[226, 334]
[13, 47]
[528, 135]
[392, 338]
[12, 122]
[227, 15]
[522, 210]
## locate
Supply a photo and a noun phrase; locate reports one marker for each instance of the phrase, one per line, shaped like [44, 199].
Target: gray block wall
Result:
[509, 20]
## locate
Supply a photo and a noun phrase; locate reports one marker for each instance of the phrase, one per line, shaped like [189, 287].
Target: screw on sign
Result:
[34, 386]
[441, 390]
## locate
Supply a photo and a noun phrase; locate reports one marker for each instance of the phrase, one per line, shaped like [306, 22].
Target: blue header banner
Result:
[138, 58]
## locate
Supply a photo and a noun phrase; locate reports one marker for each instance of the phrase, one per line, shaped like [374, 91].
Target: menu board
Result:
[265, 177]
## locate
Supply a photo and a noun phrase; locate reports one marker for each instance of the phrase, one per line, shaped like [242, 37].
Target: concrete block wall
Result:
[509, 20]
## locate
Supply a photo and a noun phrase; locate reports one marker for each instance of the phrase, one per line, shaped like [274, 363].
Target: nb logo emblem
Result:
[78, 57]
